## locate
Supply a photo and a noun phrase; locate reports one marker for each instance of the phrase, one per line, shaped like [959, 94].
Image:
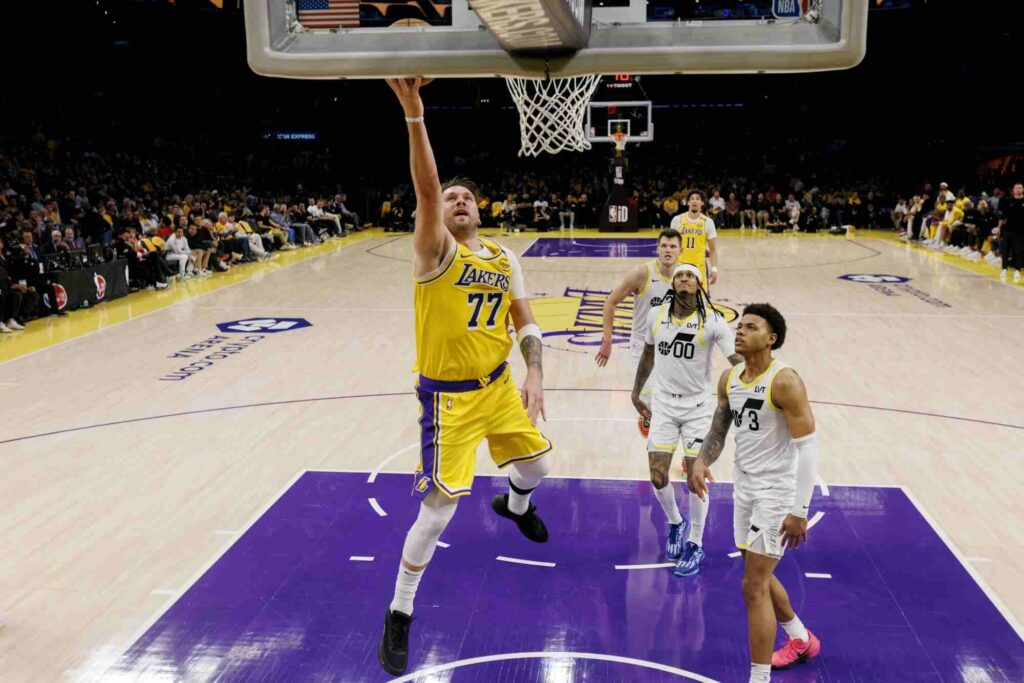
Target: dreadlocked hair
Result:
[703, 302]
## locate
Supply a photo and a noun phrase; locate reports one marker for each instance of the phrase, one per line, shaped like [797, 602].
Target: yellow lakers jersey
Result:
[694, 243]
[462, 311]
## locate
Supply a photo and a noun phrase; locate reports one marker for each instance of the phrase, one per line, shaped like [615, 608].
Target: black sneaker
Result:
[394, 644]
[529, 523]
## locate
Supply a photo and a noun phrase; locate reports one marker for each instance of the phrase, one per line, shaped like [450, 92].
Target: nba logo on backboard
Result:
[789, 9]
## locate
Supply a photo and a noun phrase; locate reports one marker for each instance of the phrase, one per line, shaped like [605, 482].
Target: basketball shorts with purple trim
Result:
[452, 425]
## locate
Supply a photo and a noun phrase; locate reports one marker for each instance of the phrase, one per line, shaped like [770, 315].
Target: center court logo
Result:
[875, 278]
[264, 325]
[576, 318]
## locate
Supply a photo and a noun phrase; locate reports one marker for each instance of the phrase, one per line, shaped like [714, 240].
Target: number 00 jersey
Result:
[682, 352]
[462, 311]
[763, 442]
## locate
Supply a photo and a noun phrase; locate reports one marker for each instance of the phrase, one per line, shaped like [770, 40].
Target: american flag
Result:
[328, 13]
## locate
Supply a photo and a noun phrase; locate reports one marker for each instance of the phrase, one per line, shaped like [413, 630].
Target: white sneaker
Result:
[161, 285]
[1016, 276]
[1002, 275]
[4, 329]
[14, 325]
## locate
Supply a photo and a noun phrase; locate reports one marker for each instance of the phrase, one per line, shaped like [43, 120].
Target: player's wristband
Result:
[531, 330]
[414, 119]
[714, 269]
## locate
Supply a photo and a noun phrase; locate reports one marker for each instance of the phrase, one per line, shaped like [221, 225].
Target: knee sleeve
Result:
[528, 474]
[421, 541]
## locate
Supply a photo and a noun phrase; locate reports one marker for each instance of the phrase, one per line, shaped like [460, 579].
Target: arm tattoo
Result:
[532, 352]
[714, 442]
[643, 370]
[735, 359]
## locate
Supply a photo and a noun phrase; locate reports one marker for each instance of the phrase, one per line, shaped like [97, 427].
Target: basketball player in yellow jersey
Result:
[699, 237]
[466, 289]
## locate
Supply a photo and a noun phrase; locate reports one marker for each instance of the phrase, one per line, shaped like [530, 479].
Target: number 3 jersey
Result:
[682, 351]
[462, 312]
[763, 441]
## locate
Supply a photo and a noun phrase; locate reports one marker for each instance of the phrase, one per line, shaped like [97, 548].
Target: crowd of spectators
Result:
[61, 216]
[145, 209]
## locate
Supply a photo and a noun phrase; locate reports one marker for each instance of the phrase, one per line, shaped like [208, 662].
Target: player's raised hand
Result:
[699, 478]
[604, 353]
[408, 92]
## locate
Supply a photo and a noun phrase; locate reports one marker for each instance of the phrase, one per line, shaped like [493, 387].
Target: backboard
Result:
[330, 39]
[632, 118]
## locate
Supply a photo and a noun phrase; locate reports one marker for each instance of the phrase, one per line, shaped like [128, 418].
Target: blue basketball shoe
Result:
[674, 542]
[689, 563]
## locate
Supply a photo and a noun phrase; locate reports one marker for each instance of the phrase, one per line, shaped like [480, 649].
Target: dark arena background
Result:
[207, 454]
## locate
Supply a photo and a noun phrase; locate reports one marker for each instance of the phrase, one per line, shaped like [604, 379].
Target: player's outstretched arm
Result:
[430, 236]
[630, 285]
[714, 442]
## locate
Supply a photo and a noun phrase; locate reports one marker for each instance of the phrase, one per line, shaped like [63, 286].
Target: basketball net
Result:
[551, 112]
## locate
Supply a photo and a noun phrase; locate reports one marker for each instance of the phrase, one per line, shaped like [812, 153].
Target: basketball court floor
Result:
[213, 482]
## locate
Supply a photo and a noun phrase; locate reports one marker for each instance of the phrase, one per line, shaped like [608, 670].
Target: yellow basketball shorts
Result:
[456, 416]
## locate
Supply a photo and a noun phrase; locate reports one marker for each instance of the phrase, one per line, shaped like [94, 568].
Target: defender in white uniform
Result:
[680, 336]
[776, 465]
[647, 283]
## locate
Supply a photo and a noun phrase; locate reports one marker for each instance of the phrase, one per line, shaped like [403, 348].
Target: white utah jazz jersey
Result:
[682, 351]
[763, 442]
[647, 299]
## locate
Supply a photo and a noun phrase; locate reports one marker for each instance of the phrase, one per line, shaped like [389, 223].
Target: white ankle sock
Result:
[795, 629]
[525, 477]
[667, 497]
[760, 673]
[698, 515]
[405, 590]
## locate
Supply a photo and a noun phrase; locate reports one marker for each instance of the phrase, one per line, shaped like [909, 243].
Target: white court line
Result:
[361, 558]
[663, 565]
[995, 599]
[424, 674]
[516, 560]
[108, 657]
[823, 486]
[811, 575]
[735, 554]
[815, 518]
[385, 461]
[442, 544]
[342, 470]
[376, 507]
[978, 560]
[163, 591]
